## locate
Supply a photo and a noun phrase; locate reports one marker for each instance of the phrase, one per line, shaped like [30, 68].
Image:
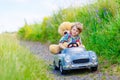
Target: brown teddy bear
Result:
[64, 28]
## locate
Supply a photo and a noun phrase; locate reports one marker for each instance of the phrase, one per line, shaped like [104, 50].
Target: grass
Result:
[101, 29]
[17, 63]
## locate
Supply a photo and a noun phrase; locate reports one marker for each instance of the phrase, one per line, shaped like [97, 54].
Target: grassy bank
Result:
[101, 28]
[17, 63]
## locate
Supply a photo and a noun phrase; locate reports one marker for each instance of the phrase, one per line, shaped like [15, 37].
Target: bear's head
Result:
[64, 28]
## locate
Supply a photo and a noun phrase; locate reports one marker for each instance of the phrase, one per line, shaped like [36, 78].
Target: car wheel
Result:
[54, 65]
[93, 69]
[61, 68]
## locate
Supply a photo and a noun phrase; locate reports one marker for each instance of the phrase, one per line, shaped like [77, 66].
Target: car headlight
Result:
[93, 56]
[67, 58]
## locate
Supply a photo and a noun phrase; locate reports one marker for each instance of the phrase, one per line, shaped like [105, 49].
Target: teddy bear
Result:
[62, 30]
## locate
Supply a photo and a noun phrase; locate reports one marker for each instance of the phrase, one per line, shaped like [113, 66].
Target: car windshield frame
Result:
[73, 50]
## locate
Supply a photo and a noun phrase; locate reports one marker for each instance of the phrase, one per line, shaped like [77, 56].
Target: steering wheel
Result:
[72, 45]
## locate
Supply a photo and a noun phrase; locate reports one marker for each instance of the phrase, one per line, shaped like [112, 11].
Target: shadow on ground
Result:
[70, 72]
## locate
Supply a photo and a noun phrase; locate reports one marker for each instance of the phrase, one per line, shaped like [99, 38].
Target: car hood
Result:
[80, 55]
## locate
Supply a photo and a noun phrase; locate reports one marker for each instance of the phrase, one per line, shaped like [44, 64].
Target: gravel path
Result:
[43, 52]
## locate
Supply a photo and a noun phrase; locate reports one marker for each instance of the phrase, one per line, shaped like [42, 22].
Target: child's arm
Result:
[79, 42]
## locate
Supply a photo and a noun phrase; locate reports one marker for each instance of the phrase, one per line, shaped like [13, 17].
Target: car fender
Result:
[59, 58]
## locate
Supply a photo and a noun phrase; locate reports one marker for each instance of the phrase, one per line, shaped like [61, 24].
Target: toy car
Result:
[75, 58]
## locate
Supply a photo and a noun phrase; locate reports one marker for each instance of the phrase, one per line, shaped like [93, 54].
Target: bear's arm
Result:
[63, 41]
[64, 38]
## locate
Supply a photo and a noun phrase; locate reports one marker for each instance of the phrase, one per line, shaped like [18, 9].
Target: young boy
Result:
[72, 36]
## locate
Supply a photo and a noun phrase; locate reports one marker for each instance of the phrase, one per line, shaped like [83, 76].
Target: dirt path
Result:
[43, 52]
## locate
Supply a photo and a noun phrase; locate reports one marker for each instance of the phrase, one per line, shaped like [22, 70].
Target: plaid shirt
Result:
[68, 38]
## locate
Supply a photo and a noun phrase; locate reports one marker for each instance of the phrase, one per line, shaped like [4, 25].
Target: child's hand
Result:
[82, 45]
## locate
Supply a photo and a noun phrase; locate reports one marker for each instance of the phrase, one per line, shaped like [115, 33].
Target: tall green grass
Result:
[101, 27]
[17, 63]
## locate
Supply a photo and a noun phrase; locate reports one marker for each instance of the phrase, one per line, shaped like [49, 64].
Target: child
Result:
[72, 36]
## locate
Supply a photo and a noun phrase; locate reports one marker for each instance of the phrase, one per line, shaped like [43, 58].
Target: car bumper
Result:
[79, 66]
